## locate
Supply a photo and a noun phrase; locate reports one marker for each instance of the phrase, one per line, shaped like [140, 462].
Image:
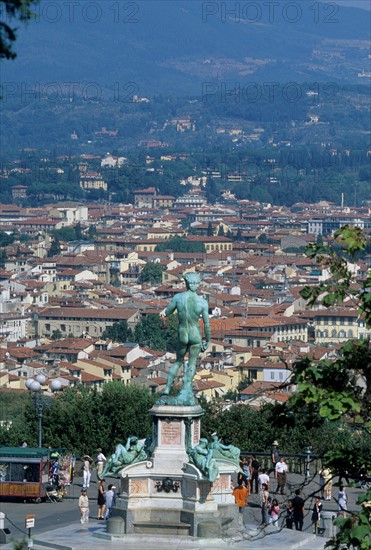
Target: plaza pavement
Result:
[71, 535]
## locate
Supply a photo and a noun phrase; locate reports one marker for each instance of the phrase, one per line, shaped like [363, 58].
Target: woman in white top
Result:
[84, 506]
[342, 501]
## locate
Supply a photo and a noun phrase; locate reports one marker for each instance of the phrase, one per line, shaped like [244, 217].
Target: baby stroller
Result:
[53, 494]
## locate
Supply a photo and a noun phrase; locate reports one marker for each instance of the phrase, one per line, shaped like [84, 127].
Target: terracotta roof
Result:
[202, 385]
[67, 344]
[86, 377]
[160, 381]
[260, 387]
[22, 353]
[87, 313]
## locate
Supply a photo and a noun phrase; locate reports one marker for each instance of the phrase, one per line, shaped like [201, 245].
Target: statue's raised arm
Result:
[189, 306]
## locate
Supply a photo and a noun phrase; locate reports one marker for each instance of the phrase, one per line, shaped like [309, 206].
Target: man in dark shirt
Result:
[254, 474]
[298, 507]
[275, 457]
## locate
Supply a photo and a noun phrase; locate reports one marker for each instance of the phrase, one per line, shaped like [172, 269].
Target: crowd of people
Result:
[252, 479]
[266, 482]
[105, 498]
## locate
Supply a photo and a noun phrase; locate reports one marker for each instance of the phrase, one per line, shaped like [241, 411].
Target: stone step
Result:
[157, 528]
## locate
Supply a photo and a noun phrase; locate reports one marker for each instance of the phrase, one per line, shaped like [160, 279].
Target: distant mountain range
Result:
[181, 47]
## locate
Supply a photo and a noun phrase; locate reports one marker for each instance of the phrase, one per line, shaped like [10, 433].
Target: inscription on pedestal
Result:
[171, 432]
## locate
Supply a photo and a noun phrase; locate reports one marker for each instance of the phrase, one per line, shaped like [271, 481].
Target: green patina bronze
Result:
[133, 451]
[202, 456]
[221, 451]
[190, 307]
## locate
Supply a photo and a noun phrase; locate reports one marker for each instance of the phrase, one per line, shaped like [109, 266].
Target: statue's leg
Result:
[190, 370]
[118, 452]
[174, 369]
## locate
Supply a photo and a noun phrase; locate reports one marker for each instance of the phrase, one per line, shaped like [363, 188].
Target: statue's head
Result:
[192, 281]
[203, 441]
[133, 439]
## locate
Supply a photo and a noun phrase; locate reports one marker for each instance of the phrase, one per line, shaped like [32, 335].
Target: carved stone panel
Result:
[138, 487]
[171, 432]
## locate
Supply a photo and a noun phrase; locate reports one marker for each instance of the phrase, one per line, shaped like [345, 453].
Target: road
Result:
[49, 515]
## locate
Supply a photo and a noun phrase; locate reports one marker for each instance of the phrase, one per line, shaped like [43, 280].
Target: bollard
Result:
[4, 532]
[116, 526]
[327, 524]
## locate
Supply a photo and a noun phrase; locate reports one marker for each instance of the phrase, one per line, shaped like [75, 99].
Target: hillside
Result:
[175, 47]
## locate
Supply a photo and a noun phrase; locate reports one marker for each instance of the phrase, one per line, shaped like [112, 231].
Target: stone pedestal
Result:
[167, 494]
[174, 428]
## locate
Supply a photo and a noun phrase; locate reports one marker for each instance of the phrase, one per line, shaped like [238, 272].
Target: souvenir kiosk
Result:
[24, 472]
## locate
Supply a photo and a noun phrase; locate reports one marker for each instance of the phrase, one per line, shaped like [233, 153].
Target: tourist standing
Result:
[84, 506]
[316, 515]
[101, 460]
[255, 466]
[245, 474]
[274, 512]
[110, 500]
[87, 470]
[327, 479]
[281, 471]
[101, 499]
[342, 501]
[240, 494]
[275, 456]
[289, 515]
[264, 504]
[298, 507]
[321, 484]
[263, 478]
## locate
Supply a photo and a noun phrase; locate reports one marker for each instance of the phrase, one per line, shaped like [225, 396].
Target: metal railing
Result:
[306, 464]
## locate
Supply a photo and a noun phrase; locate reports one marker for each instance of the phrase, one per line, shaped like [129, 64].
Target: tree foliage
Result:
[151, 273]
[82, 419]
[179, 244]
[350, 242]
[12, 11]
[55, 248]
[69, 233]
[5, 238]
[118, 332]
[254, 430]
[149, 332]
[171, 332]
[341, 391]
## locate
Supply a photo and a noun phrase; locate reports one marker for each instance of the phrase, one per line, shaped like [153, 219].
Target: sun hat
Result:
[275, 442]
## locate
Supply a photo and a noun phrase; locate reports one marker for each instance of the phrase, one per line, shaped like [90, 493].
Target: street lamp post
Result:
[35, 385]
[308, 452]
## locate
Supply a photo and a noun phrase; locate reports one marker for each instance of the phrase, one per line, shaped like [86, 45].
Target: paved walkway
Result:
[93, 537]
